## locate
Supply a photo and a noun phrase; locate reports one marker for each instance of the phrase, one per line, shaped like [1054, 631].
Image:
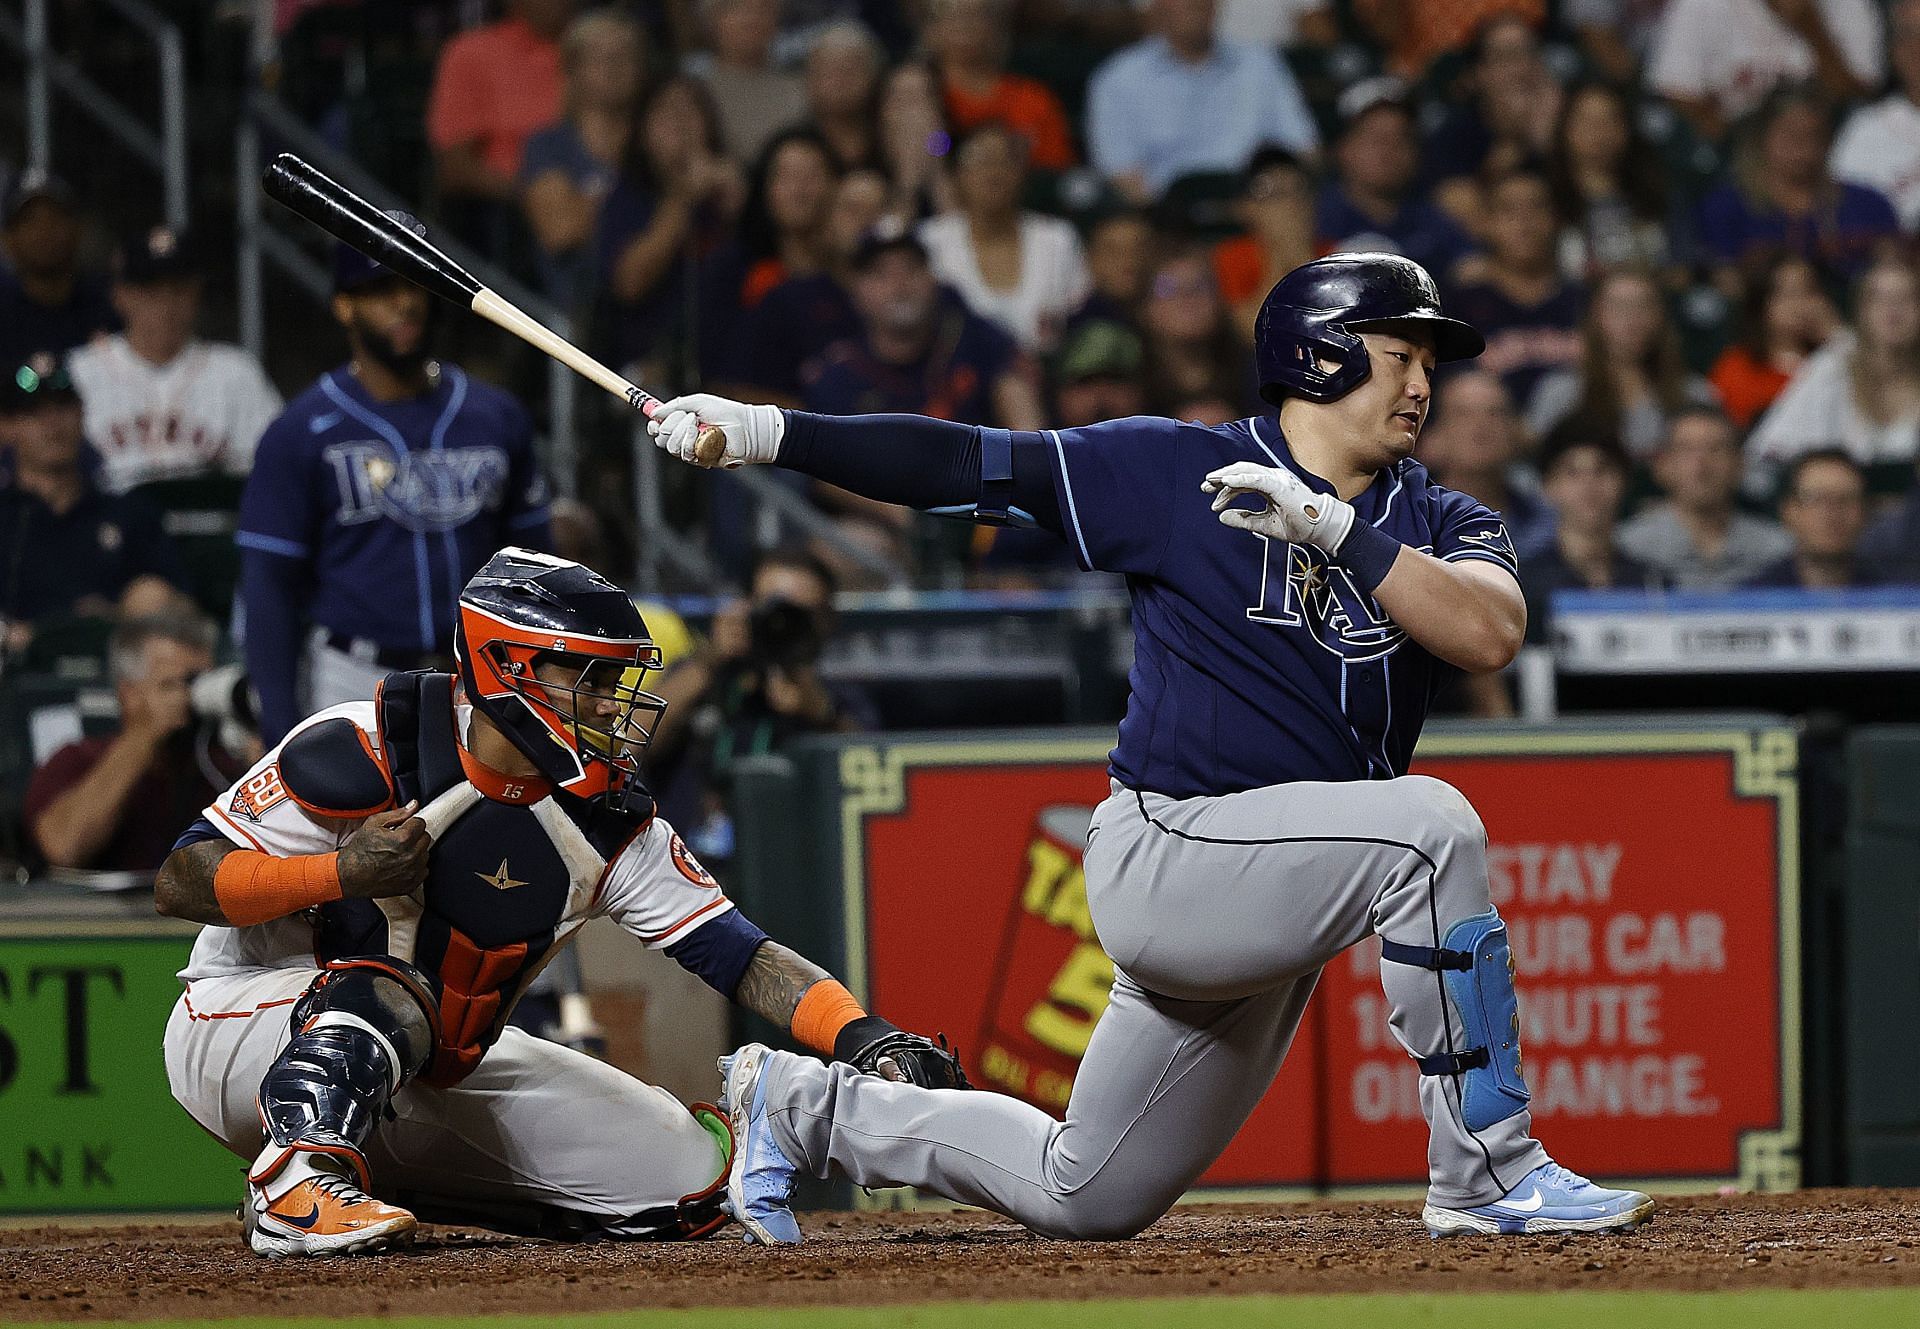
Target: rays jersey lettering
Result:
[1256, 662]
[1299, 588]
[425, 492]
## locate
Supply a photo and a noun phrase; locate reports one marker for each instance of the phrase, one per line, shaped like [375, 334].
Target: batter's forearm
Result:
[184, 888]
[776, 979]
[1470, 614]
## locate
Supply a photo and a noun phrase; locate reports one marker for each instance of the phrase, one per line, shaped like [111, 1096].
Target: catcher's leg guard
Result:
[363, 1029]
[1476, 964]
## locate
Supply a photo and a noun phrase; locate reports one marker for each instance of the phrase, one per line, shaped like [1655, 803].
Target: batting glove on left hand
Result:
[1290, 511]
[753, 432]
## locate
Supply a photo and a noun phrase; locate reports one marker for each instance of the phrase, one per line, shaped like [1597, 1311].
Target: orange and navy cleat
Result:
[326, 1211]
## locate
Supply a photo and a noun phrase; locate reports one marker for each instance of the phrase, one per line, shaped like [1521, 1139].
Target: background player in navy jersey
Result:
[1261, 818]
[373, 498]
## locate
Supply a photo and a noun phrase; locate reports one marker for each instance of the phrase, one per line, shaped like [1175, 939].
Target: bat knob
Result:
[710, 447]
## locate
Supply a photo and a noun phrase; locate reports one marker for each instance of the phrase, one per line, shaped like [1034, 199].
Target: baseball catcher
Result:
[380, 889]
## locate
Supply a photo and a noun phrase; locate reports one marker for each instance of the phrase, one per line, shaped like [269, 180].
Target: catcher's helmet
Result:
[1317, 311]
[525, 608]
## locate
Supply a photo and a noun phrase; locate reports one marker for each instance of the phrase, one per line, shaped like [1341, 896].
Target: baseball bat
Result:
[343, 214]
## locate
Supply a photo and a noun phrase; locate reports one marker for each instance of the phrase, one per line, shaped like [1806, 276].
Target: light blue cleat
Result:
[760, 1179]
[1548, 1199]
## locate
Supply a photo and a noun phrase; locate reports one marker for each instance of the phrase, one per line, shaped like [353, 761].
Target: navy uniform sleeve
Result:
[276, 538]
[526, 513]
[1465, 528]
[1115, 485]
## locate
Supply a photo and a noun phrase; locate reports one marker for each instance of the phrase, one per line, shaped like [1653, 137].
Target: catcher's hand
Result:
[894, 1054]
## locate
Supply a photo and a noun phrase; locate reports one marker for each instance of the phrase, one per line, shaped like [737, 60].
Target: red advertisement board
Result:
[1648, 884]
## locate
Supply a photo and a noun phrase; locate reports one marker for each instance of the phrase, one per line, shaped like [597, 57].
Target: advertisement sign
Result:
[1647, 878]
[86, 1120]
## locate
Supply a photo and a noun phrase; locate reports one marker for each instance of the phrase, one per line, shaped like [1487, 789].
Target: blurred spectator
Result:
[1182, 102]
[1096, 377]
[1824, 509]
[1632, 374]
[1781, 197]
[1279, 24]
[1860, 391]
[160, 403]
[914, 143]
[1276, 207]
[1372, 203]
[752, 689]
[1529, 313]
[46, 302]
[116, 803]
[1119, 261]
[68, 549]
[783, 227]
[1473, 444]
[1193, 348]
[1021, 271]
[374, 497]
[1583, 474]
[756, 101]
[1879, 145]
[782, 338]
[1716, 60]
[664, 244]
[1609, 186]
[1499, 116]
[843, 89]
[967, 42]
[1101, 24]
[568, 168]
[1697, 538]
[495, 87]
[1415, 33]
[1786, 315]
[1615, 35]
[1890, 549]
[919, 351]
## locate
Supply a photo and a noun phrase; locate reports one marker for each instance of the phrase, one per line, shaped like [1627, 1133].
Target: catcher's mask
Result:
[526, 612]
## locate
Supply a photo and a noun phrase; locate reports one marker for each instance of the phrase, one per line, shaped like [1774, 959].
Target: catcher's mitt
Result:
[894, 1054]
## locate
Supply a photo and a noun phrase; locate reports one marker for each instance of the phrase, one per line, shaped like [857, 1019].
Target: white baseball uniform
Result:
[203, 410]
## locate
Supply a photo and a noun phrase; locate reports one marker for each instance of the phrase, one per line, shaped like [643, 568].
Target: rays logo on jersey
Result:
[1299, 588]
[422, 491]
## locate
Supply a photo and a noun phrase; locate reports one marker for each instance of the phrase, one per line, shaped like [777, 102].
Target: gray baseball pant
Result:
[1219, 914]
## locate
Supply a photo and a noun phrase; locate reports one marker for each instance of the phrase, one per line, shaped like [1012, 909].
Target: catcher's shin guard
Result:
[363, 1029]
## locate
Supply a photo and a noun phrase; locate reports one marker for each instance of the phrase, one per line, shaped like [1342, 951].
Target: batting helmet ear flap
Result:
[1291, 363]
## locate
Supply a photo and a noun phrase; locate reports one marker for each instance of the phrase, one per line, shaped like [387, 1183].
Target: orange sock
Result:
[253, 887]
[824, 1010]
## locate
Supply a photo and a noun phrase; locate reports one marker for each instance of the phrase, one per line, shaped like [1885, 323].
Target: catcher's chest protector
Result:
[507, 883]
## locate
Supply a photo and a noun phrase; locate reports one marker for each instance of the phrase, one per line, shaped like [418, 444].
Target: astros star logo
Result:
[500, 881]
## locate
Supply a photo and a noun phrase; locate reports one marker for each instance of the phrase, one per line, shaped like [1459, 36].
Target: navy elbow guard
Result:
[994, 505]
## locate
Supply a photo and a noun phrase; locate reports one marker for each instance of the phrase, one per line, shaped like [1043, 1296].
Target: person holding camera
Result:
[755, 686]
[118, 803]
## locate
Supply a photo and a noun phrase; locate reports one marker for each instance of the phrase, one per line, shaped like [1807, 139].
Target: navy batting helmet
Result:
[1317, 311]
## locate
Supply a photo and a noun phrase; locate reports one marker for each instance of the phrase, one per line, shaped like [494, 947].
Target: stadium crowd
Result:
[1687, 228]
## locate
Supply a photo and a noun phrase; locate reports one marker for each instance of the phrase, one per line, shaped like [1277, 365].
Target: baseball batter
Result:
[380, 889]
[1300, 590]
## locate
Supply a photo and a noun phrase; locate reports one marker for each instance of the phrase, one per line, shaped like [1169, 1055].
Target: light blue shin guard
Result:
[1476, 964]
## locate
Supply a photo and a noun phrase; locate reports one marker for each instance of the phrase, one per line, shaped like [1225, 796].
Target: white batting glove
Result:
[1291, 511]
[753, 432]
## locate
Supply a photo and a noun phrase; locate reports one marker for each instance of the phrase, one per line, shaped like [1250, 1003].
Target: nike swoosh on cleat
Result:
[308, 1221]
[1530, 1205]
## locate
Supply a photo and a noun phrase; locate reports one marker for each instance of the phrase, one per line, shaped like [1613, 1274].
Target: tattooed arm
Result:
[776, 978]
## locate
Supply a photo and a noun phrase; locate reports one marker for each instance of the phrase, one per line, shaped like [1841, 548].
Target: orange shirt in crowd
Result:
[1239, 269]
[1746, 386]
[1025, 105]
[495, 86]
[1429, 30]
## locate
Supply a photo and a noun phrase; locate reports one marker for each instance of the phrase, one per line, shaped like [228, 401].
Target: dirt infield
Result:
[1867, 1238]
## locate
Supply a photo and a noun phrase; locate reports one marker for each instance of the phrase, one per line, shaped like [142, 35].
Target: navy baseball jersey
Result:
[395, 504]
[1255, 662]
